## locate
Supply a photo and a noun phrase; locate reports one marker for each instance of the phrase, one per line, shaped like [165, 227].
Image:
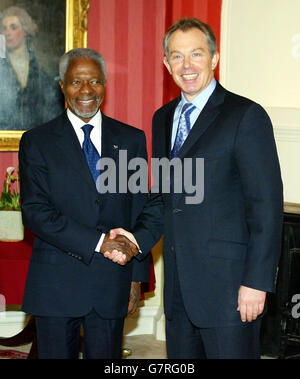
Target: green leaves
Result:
[10, 201]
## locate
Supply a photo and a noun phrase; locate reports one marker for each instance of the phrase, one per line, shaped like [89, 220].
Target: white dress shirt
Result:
[96, 122]
[77, 124]
[199, 101]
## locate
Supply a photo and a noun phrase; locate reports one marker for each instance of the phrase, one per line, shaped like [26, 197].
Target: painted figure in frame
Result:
[29, 96]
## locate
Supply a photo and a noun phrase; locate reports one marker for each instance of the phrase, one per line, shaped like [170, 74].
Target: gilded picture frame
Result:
[75, 36]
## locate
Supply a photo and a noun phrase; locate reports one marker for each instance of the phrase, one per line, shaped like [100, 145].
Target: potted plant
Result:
[11, 226]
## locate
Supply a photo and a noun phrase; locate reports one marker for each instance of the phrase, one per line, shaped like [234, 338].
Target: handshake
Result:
[119, 246]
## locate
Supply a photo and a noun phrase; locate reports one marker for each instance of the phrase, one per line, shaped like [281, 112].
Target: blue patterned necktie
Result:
[90, 152]
[183, 129]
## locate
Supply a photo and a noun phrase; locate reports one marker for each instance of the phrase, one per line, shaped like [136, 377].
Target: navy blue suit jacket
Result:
[61, 206]
[233, 237]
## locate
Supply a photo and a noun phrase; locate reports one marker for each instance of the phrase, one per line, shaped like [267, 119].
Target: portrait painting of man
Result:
[34, 36]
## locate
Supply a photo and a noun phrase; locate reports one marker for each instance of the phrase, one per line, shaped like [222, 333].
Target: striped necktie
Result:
[183, 129]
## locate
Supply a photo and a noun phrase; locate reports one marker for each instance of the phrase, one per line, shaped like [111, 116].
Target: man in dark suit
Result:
[69, 282]
[220, 253]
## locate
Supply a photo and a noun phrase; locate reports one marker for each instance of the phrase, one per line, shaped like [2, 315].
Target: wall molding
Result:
[286, 123]
[283, 116]
[12, 322]
[286, 134]
[146, 320]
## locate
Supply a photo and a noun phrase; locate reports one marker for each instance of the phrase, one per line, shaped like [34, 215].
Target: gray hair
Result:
[29, 26]
[188, 23]
[84, 53]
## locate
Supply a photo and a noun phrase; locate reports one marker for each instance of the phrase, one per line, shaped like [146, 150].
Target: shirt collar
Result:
[78, 123]
[200, 100]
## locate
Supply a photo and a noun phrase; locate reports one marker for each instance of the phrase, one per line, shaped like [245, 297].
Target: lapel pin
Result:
[115, 146]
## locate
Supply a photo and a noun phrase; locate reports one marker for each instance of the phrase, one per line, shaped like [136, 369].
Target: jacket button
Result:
[97, 201]
[176, 210]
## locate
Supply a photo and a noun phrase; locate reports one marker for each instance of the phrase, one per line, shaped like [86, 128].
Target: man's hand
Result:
[118, 248]
[119, 255]
[134, 298]
[114, 232]
[251, 303]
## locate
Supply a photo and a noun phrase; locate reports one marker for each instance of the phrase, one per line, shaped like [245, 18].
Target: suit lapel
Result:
[111, 143]
[208, 115]
[169, 127]
[69, 146]
[206, 118]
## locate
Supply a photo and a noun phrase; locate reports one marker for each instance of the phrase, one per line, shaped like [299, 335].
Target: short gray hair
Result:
[188, 23]
[29, 26]
[84, 53]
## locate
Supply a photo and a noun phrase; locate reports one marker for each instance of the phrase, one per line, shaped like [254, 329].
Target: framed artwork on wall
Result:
[34, 35]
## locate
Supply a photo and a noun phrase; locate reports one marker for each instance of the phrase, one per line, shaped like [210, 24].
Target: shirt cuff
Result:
[99, 244]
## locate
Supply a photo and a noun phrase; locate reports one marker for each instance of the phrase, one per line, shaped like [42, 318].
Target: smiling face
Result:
[83, 87]
[190, 62]
[13, 31]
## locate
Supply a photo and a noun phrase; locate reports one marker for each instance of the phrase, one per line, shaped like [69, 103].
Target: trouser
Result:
[187, 341]
[59, 337]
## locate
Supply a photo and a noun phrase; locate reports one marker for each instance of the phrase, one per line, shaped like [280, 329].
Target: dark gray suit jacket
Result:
[61, 206]
[233, 237]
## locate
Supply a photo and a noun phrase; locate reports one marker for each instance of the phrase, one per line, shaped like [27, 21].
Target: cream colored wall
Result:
[260, 59]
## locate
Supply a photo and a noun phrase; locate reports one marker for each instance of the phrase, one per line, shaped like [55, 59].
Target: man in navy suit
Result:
[220, 254]
[70, 283]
